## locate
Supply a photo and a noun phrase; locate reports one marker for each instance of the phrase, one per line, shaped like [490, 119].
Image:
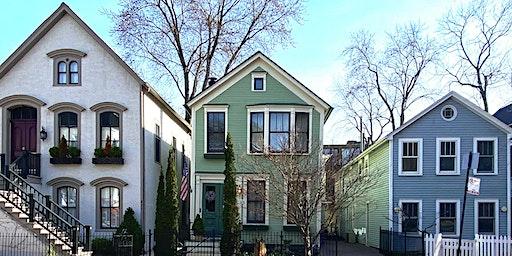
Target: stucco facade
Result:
[104, 80]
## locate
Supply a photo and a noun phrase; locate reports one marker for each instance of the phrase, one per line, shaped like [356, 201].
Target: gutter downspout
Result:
[143, 160]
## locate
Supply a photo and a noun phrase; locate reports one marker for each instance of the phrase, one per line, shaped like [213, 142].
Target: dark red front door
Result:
[23, 131]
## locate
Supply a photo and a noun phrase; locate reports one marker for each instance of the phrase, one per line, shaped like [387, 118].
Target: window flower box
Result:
[108, 160]
[66, 160]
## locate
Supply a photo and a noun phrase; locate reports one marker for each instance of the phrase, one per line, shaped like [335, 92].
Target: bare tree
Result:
[382, 84]
[477, 45]
[298, 187]
[186, 42]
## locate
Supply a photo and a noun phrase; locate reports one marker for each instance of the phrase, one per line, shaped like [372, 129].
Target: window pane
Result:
[105, 197]
[485, 226]
[109, 119]
[62, 194]
[447, 164]
[410, 217]
[62, 78]
[301, 122]
[256, 196]
[215, 131]
[115, 197]
[210, 197]
[105, 217]
[73, 66]
[447, 226]
[485, 164]
[409, 164]
[258, 84]
[257, 122]
[73, 78]
[257, 142]
[114, 214]
[62, 66]
[72, 197]
[73, 134]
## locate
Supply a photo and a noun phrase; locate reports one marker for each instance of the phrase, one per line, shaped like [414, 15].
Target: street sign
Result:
[474, 161]
[474, 186]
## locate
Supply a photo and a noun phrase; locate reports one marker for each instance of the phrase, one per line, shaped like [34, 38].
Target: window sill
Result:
[65, 160]
[445, 173]
[250, 227]
[410, 174]
[219, 155]
[108, 160]
[485, 174]
[66, 85]
[290, 227]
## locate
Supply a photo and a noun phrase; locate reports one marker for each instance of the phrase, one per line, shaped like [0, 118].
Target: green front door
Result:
[212, 207]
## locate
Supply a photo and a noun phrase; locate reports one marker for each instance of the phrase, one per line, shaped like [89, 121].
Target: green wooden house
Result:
[259, 104]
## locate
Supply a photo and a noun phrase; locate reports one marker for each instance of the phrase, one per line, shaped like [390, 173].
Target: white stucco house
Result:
[65, 81]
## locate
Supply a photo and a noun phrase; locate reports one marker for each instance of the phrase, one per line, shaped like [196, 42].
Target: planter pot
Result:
[108, 160]
[66, 160]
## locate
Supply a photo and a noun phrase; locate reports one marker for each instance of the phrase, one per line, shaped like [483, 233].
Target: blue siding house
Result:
[427, 182]
[421, 177]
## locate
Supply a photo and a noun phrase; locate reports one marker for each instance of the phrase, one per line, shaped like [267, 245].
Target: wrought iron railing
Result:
[41, 209]
[28, 164]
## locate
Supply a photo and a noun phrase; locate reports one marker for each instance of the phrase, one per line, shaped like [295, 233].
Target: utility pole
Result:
[471, 164]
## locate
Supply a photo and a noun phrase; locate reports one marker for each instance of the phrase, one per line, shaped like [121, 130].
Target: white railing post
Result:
[438, 245]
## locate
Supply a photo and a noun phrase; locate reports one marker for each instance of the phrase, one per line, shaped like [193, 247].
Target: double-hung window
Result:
[279, 131]
[487, 148]
[110, 207]
[301, 132]
[447, 216]
[410, 216]
[296, 200]
[257, 132]
[487, 219]
[68, 128]
[256, 196]
[216, 132]
[110, 128]
[448, 151]
[410, 156]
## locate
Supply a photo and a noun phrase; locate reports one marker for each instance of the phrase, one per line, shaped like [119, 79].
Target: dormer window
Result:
[259, 81]
[67, 67]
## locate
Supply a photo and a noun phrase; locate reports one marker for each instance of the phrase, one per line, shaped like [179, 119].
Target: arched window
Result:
[68, 128]
[73, 72]
[62, 72]
[110, 128]
[67, 198]
[110, 202]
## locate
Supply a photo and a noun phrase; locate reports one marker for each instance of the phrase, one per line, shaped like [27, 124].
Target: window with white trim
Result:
[301, 132]
[448, 214]
[410, 156]
[259, 83]
[410, 216]
[257, 132]
[279, 133]
[486, 218]
[447, 156]
[215, 132]
[487, 148]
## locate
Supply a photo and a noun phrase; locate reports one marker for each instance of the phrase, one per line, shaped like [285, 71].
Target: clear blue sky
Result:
[315, 58]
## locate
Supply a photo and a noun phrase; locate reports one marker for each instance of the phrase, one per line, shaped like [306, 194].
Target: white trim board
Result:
[496, 214]
[457, 156]
[420, 212]
[457, 216]
[495, 163]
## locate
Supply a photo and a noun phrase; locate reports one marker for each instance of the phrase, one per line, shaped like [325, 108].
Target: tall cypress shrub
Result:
[230, 241]
[131, 226]
[160, 240]
[171, 210]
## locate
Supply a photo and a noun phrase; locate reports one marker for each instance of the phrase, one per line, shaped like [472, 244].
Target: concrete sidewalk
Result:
[329, 249]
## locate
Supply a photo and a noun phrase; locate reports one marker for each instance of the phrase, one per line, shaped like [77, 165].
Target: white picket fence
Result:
[483, 245]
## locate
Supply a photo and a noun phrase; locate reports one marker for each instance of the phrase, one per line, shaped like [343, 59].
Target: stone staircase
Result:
[38, 226]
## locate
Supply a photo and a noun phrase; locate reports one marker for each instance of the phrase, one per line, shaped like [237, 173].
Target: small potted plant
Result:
[108, 154]
[198, 228]
[62, 154]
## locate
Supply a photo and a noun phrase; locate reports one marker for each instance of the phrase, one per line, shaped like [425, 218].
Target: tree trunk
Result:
[308, 246]
[188, 113]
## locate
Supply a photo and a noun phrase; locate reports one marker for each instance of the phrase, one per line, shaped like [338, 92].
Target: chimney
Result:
[211, 81]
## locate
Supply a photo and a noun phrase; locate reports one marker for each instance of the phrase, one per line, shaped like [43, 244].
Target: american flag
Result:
[184, 181]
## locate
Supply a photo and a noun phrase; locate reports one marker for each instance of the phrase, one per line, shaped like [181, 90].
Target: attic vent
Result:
[449, 112]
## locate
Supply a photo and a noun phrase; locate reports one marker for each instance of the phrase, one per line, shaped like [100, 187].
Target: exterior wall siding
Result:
[370, 210]
[238, 97]
[430, 187]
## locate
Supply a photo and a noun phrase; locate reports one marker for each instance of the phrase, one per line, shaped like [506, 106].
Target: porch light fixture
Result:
[397, 209]
[42, 134]
[504, 209]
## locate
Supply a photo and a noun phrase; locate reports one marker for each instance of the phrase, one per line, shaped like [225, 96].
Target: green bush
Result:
[198, 226]
[102, 247]
[116, 152]
[73, 152]
[98, 153]
[54, 152]
[63, 147]
[131, 226]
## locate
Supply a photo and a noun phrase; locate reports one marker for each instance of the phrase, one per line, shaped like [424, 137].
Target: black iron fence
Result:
[401, 243]
[20, 244]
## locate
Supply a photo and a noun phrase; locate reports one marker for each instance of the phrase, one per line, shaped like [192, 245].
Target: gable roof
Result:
[504, 114]
[48, 24]
[221, 84]
[470, 105]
